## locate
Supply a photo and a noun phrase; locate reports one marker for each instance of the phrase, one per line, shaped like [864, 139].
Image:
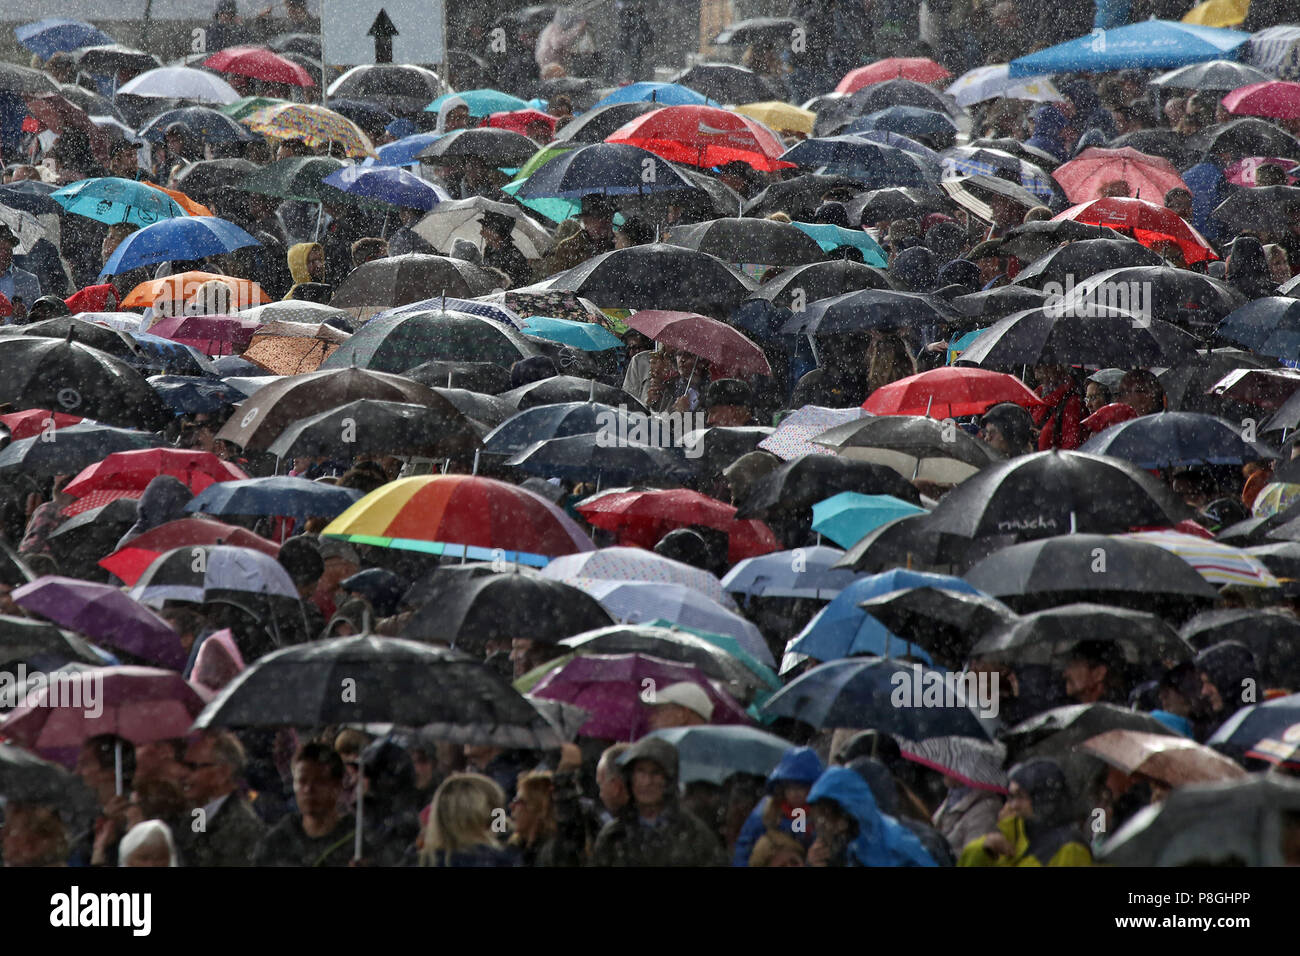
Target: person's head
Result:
[1229, 677]
[1114, 188]
[946, 240]
[300, 557]
[1095, 396]
[1037, 791]
[635, 231]
[610, 783]
[728, 401]
[34, 835]
[1174, 109]
[148, 843]
[495, 229]
[533, 810]
[1008, 429]
[296, 11]
[62, 67]
[367, 249]
[1195, 486]
[527, 654]
[986, 256]
[1092, 671]
[97, 765]
[123, 159]
[1141, 391]
[226, 12]
[113, 237]
[1179, 200]
[684, 704]
[777, 848]
[8, 243]
[888, 360]
[1279, 265]
[1270, 174]
[597, 216]
[468, 811]
[214, 764]
[649, 784]
[317, 781]
[561, 107]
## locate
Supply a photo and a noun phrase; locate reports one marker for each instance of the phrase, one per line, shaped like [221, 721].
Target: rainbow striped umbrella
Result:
[461, 516]
[315, 125]
[1215, 561]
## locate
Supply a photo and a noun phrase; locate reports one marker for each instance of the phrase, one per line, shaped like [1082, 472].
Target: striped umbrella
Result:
[462, 516]
[1216, 562]
[976, 763]
[315, 125]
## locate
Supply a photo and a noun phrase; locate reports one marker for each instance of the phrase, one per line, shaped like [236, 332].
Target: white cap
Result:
[686, 694]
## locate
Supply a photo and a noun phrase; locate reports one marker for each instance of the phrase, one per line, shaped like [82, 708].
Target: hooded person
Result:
[1041, 829]
[884, 787]
[960, 272]
[1050, 124]
[915, 269]
[947, 240]
[654, 829]
[1229, 680]
[852, 829]
[306, 266]
[450, 104]
[784, 809]
[1248, 270]
[164, 500]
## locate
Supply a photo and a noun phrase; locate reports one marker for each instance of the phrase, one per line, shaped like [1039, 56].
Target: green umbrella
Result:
[542, 157]
[248, 104]
[297, 178]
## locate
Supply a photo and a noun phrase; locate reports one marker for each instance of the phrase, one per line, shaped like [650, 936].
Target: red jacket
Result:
[1047, 416]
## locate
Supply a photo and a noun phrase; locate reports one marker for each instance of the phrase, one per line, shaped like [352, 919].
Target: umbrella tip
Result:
[70, 337]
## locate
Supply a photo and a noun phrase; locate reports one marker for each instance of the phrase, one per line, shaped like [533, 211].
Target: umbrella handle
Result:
[356, 854]
[117, 766]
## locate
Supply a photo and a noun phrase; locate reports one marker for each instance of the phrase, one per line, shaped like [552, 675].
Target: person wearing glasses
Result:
[228, 830]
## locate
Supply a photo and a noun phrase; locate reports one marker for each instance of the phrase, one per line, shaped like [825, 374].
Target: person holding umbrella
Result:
[596, 216]
[499, 250]
[96, 766]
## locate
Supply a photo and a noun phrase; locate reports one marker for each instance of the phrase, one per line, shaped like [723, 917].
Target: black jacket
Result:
[677, 838]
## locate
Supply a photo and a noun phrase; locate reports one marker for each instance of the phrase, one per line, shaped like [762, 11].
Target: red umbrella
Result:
[33, 422]
[1146, 176]
[641, 518]
[704, 136]
[130, 562]
[259, 63]
[920, 69]
[1276, 99]
[126, 474]
[1149, 223]
[520, 121]
[727, 349]
[950, 392]
[210, 334]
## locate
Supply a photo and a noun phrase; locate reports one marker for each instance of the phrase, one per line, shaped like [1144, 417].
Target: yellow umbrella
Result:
[315, 125]
[780, 116]
[1218, 13]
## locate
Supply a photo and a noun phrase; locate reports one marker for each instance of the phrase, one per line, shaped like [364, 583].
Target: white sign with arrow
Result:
[382, 31]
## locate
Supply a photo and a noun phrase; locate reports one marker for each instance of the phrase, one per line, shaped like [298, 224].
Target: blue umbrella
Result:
[110, 200]
[873, 163]
[886, 695]
[195, 394]
[1149, 44]
[482, 102]
[1268, 326]
[587, 336]
[520, 432]
[279, 495]
[54, 35]
[1262, 728]
[712, 754]
[669, 94]
[831, 237]
[405, 151]
[387, 184]
[163, 355]
[801, 573]
[842, 628]
[846, 518]
[211, 126]
[615, 169]
[911, 121]
[188, 237]
[1175, 439]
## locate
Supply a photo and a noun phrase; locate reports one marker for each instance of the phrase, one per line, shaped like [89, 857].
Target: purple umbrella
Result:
[616, 690]
[104, 614]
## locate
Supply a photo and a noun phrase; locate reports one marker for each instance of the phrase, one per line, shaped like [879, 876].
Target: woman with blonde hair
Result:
[466, 820]
[888, 360]
[533, 813]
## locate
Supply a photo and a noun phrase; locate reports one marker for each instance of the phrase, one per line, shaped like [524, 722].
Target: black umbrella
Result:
[595, 125]
[909, 542]
[26, 778]
[100, 337]
[80, 541]
[600, 459]
[1280, 557]
[1177, 439]
[896, 202]
[369, 427]
[1218, 76]
[1077, 260]
[870, 309]
[798, 485]
[566, 388]
[524, 429]
[727, 83]
[1157, 142]
[670, 645]
[1056, 492]
[1263, 208]
[477, 407]
[1055, 732]
[484, 377]
[711, 197]
[66, 376]
[470, 612]
[401, 280]
[975, 193]
[800, 196]
[400, 340]
[496, 147]
[1272, 636]
[902, 92]
[304, 44]
[1188, 385]
[93, 104]
[1033, 239]
[755, 29]
[1184, 298]
[914, 445]
[993, 304]
[23, 640]
[194, 394]
[719, 445]
[655, 276]
[398, 87]
[25, 81]
[944, 623]
[1039, 157]
[1245, 137]
[821, 280]
[1097, 336]
[1123, 572]
[760, 241]
[75, 447]
[1268, 326]
[206, 178]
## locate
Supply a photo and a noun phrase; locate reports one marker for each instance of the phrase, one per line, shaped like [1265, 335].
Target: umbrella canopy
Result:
[727, 350]
[1158, 44]
[258, 63]
[713, 754]
[749, 240]
[75, 447]
[1265, 208]
[797, 485]
[200, 573]
[611, 169]
[655, 276]
[803, 573]
[26, 778]
[641, 518]
[1145, 176]
[57, 35]
[559, 389]
[1245, 137]
[501, 148]
[111, 200]
[542, 422]
[974, 763]
[1087, 257]
[933, 126]
[868, 309]
[1173, 761]
[389, 185]
[312, 124]
[126, 474]
[1272, 636]
[395, 343]
[180, 82]
[1092, 334]
[1262, 732]
[704, 136]
[601, 458]
[371, 427]
[211, 126]
[399, 280]
[210, 334]
[462, 219]
[636, 564]
[919, 69]
[951, 392]
[862, 693]
[130, 562]
[780, 116]
[945, 622]
[1173, 439]
[1219, 76]
[296, 178]
[657, 94]
[188, 237]
[399, 87]
[1178, 296]
[277, 495]
[845, 518]
[993, 81]
[725, 82]
[914, 445]
[481, 103]
[1276, 99]
[1152, 224]
[479, 518]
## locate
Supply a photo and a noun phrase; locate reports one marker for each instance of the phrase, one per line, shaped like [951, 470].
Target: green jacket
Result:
[1072, 853]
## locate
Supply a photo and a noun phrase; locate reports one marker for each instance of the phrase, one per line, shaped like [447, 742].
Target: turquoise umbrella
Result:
[711, 754]
[587, 336]
[111, 200]
[831, 237]
[846, 518]
[1148, 44]
[556, 210]
[482, 102]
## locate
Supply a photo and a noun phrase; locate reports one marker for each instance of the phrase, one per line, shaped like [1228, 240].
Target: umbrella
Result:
[635, 564]
[999, 302]
[598, 458]
[25, 81]
[38, 372]
[725, 83]
[749, 240]
[1234, 822]
[916, 446]
[755, 30]
[277, 495]
[1055, 492]
[897, 92]
[796, 485]
[1157, 142]
[586, 336]
[462, 219]
[211, 334]
[99, 337]
[914, 122]
[130, 562]
[845, 518]
[1150, 223]
[111, 200]
[611, 169]
[973, 763]
[993, 81]
[610, 688]
[481, 102]
[1173, 439]
[1276, 99]
[80, 541]
[945, 622]
[1245, 137]
[398, 87]
[1269, 208]
[370, 427]
[128, 473]
[1087, 257]
[657, 94]
[404, 151]
[1217, 562]
[1218, 76]
[593, 125]
[395, 343]
[104, 614]
[208, 124]
[802, 573]
[389, 185]
[1159, 44]
[26, 778]
[188, 237]
[27, 642]
[919, 69]
[55, 35]
[1178, 296]
[207, 177]
[976, 193]
[75, 447]
[461, 515]
[180, 82]
[1173, 761]
[502, 148]
[655, 276]
[1145, 176]
[399, 280]
[1267, 326]
[191, 207]
[110, 58]
[200, 573]
[258, 63]
[1126, 572]
[713, 754]
[727, 350]
[820, 280]
[312, 124]
[869, 309]
[780, 116]
[1263, 731]
[983, 160]
[951, 392]
[1058, 730]
[542, 422]
[704, 136]
[296, 178]
[561, 389]
[1091, 334]
[287, 348]
[862, 694]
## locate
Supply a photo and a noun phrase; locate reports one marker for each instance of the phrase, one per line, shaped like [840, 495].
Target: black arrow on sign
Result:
[383, 31]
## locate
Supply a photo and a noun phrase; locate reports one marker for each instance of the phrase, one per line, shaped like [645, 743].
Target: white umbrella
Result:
[461, 218]
[294, 310]
[25, 226]
[635, 564]
[991, 82]
[181, 82]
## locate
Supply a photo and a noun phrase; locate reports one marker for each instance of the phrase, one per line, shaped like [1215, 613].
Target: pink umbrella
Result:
[726, 348]
[1148, 177]
[210, 334]
[139, 704]
[1276, 99]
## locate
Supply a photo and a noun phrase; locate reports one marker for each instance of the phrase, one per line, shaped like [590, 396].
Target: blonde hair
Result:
[536, 788]
[461, 817]
[888, 360]
[779, 217]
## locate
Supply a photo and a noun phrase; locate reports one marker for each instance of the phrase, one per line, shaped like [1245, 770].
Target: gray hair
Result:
[145, 833]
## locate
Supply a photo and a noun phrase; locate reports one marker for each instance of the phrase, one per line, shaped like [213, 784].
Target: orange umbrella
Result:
[191, 207]
[181, 288]
[1171, 760]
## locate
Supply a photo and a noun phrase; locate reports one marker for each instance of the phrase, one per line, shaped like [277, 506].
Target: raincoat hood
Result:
[447, 106]
[298, 260]
[915, 269]
[1228, 664]
[659, 751]
[164, 500]
[799, 765]
[1052, 824]
[881, 840]
[880, 780]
